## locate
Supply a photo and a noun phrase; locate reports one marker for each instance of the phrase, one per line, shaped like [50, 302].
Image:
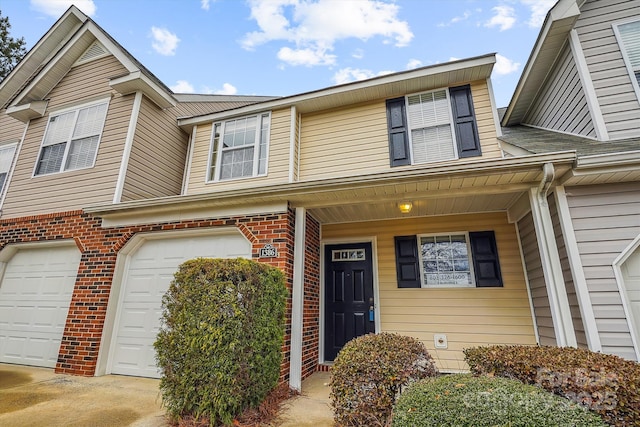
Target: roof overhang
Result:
[387, 86]
[478, 177]
[604, 168]
[554, 33]
[138, 82]
[26, 112]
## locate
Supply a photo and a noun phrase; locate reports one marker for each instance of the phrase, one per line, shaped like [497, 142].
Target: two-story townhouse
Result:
[388, 203]
[579, 91]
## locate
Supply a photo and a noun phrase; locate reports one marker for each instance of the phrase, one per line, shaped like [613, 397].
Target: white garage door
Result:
[631, 276]
[35, 294]
[150, 271]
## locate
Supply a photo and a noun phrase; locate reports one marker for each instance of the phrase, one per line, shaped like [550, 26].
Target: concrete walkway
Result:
[39, 397]
[311, 407]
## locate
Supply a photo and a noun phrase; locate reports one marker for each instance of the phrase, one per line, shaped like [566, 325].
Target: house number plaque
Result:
[268, 251]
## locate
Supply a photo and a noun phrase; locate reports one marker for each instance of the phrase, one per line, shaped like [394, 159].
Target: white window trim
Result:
[256, 147]
[453, 128]
[3, 190]
[54, 113]
[469, 253]
[625, 56]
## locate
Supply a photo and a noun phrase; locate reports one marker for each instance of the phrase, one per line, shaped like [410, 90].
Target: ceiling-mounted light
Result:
[405, 207]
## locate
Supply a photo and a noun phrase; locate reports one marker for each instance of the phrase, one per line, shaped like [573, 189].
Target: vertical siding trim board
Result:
[494, 111]
[575, 263]
[187, 166]
[625, 56]
[587, 84]
[551, 266]
[297, 297]
[617, 271]
[128, 145]
[528, 283]
[292, 144]
[16, 153]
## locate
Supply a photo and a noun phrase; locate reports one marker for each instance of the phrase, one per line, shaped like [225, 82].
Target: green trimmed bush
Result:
[607, 384]
[465, 400]
[370, 372]
[220, 345]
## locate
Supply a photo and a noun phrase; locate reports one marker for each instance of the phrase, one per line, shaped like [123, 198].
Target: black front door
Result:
[348, 291]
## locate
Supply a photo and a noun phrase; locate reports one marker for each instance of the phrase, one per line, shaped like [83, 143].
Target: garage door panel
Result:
[35, 294]
[151, 269]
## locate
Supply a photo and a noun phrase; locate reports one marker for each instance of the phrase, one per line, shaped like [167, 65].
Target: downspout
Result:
[550, 259]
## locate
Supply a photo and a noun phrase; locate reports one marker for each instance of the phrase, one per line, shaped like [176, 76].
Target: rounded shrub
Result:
[220, 345]
[465, 400]
[370, 372]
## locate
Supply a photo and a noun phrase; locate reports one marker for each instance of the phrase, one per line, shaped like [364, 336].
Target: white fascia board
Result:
[342, 89]
[608, 160]
[137, 81]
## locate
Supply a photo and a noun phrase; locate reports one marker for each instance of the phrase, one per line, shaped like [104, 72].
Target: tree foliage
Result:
[11, 50]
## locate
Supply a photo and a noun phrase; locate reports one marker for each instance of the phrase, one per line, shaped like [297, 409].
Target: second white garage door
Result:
[150, 270]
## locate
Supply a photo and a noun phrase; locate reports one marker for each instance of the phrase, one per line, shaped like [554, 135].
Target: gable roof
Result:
[554, 33]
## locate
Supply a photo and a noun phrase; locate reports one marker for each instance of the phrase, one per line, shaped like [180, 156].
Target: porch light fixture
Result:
[405, 207]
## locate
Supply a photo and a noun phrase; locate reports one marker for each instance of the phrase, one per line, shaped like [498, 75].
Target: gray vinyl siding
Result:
[574, 305]
[158, 155]
[612, 82]
[73, 190]
[540, 299]
[606, 219]
[562, 105]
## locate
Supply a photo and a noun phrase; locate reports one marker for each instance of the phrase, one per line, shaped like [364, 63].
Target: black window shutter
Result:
[407, 263]
[485, 259]
[464, 120]
[398, 137]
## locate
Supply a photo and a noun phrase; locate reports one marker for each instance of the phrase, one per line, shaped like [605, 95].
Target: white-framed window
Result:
[445, 260]
[7, 151]
[628, 35]
[71, 139]
[430, 127]
[239, 148]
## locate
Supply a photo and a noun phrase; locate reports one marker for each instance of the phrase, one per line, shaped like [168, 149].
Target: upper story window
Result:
[7, 152]
[629, 39]
[452, 260]
[432, 126]
[239, 148]
[71, 139]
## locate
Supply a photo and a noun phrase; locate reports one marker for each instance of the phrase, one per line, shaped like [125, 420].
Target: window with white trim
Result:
[7, 152]
[239, 148]
[629, 40]
[430, 133]
[71, 139]
[445, 260]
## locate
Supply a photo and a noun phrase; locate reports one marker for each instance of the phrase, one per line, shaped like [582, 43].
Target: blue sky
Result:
[284, 47]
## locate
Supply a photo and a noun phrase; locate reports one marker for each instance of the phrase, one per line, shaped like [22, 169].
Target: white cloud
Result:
[56, 8]
[465, 15]
[314, 26]
[182, 86]
[539, 9]
[414, 63]
[453, 58]
[505, 65]
[308, 57]
[165, 42]
[358, 54]
[227, 89]
[349, 74]
[204, 4]
[504, 18]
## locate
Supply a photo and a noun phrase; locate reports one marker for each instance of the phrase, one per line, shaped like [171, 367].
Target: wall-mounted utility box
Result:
[440, 341]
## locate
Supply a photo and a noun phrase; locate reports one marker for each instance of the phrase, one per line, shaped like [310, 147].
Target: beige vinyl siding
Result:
[574, 305]
[72, 190]
[468, 316]
[616, 96]
[277, 165]
[158, 153]
[561, 104]
[11, 130]
[354, 140]
[606, 219]
[539, 296]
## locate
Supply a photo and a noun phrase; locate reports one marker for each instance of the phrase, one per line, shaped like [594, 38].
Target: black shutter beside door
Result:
[485, 259]
[399, 154]
[407, 262]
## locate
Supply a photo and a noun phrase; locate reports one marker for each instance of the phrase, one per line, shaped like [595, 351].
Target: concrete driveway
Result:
[39, 397]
